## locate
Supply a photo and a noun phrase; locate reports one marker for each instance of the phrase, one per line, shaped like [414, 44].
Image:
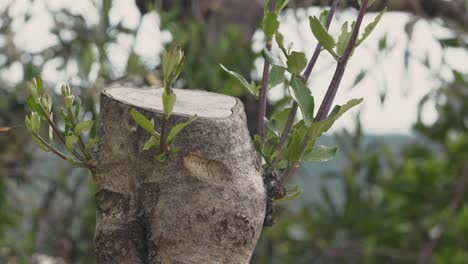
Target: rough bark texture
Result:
[205, 204]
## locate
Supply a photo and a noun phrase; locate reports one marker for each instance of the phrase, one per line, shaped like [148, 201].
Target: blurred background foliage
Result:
[385, 199]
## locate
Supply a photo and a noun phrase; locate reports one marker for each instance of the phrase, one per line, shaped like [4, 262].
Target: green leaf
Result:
[344, 38]
[280, 5]
[168, 103]
[301, 94]
[369, 3]
[177, 128]
[91, 143]
[270, 25]
[77, 108]
[241, 79]
[151, 142]
[318, 128]
[278, 120]
[324, 17]
[31, 86]
[277, 76]
[323, 37]
[292, 151]
[369, 28]
[280, 41]
[38, 84]
[83, 126]
[35, 122]
[51, 130]
[271, 59]
[320, 153]
[46, 103]
[296, 62]
[143, 122]
[70, 141]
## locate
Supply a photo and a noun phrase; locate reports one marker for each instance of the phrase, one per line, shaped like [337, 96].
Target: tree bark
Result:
[204, 204]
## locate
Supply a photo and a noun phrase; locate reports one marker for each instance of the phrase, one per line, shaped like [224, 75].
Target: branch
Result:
[305, 78]
[332, 88]
[262, 98]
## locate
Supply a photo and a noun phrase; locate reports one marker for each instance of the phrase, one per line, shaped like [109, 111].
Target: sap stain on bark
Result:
[206, 170]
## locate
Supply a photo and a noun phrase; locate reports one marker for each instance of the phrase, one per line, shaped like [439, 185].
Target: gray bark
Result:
[204, 204]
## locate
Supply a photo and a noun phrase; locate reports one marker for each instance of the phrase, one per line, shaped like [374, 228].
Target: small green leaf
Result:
[143, 122]
[51, 130]
[324, 17]
[31, 86]
[280, 41]
[271, 59]
[278, 119]
[296, 62]
[241, 79]
[280, 5]
[35, 122]
[270, 25]
[83, 126]
[369, 28]
[343, 39]
[91, 143]
[320, 153]
[320, 127]
[293, 150]
[46, 102]
[38, 84]
[177, 128]
[70, 141]
[301, 94]
[69, 101]
[276, 76]
[323, 37]
[77, 108]
[168, 103]
[151, 142]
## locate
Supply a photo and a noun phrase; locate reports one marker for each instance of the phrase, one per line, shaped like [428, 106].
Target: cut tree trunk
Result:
[204, 204]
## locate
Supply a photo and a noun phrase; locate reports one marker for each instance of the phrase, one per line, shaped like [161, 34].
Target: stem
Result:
[305, 78]
[59, 134]
[332, 88]
[58, 153]
[80, 140]
[163, 142]
[262, 97]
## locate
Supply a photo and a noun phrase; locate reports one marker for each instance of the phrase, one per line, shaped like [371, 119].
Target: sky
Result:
[404, 88]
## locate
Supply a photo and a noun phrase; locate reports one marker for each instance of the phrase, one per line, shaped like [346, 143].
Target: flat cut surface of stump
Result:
[189, 102]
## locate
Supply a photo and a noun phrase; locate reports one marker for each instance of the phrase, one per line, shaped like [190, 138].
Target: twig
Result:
[262, 98]
[305, 78]
[332, 88]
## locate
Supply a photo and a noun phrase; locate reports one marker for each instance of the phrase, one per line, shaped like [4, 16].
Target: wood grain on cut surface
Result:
[189, 102]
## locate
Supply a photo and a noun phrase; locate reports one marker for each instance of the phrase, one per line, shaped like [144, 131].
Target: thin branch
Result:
[59, 153]
[262, 97]
[305, 78]
[332, 88]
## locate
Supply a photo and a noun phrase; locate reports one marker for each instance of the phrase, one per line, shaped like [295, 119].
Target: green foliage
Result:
[40, 106]
[301, 94]
[172, 62]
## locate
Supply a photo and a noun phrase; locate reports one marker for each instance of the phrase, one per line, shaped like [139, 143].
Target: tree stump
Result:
[204, 204]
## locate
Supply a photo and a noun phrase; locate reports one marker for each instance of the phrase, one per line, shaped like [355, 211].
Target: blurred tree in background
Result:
[390, 202]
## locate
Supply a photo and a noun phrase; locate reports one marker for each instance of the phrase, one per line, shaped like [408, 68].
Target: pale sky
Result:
[404, 89]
